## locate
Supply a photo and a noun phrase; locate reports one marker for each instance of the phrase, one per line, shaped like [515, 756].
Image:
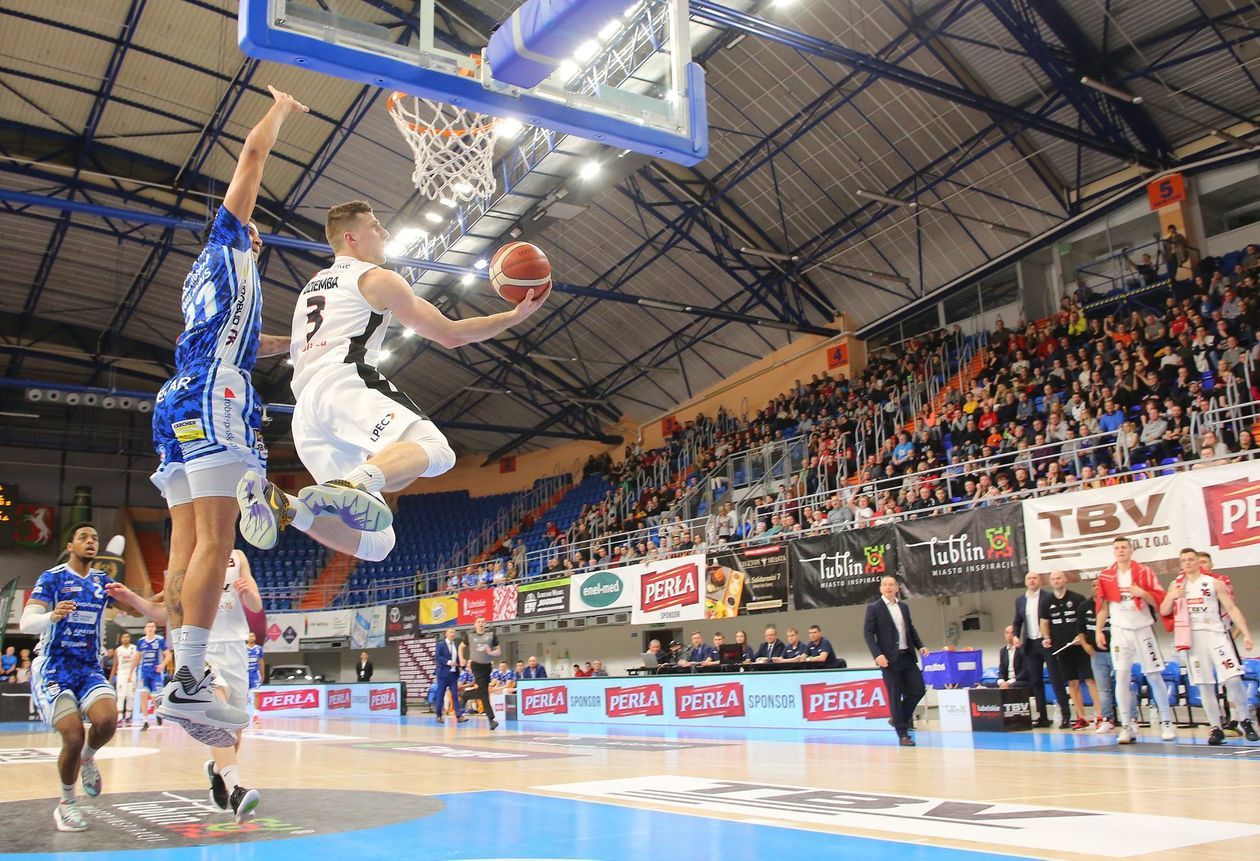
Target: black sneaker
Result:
[244, 803]
[159, 719]
[494, 724]
[1249, 730]
[1041, 723]
[218, 789]
[145, 728]
[1216, 737]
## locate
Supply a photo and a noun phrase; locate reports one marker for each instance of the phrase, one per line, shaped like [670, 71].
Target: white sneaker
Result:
[264, 510]
[191, 703]
[356, 507]
[91, 776]
[1128, 735]
[69, 817]
[1169, 732]
[1105, 726]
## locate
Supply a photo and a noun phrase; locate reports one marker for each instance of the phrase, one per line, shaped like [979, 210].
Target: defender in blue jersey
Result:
[67, 610]
[257, 664]
[150, 661]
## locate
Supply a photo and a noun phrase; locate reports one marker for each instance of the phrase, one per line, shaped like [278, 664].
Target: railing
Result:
[494, 531]
[1115, 276]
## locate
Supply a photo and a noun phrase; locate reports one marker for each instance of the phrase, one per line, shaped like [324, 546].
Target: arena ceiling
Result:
[120, 121]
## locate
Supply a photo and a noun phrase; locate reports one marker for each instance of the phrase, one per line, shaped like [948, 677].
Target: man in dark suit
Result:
[1032, 629]
[772, 648]
[534, 670]
[1011, 670]
[448, 661]
[363, 669]
[892, 639]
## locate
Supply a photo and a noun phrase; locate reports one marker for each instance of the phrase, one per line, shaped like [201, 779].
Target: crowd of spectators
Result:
[1062, 403]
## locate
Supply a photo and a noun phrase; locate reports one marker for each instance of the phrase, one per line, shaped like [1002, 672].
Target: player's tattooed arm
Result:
[272, 345]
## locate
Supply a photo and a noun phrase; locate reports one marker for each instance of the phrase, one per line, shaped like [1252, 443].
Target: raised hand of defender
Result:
[290, 104]
[63, 609]
[528, 306]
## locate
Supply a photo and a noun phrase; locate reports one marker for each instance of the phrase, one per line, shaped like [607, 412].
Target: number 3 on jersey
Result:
[314, 315]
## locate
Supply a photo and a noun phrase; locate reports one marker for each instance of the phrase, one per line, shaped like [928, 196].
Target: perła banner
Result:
[670, 590]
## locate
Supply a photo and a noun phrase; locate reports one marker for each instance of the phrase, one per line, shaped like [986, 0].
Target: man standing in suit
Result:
[1011, 669]
[363, 669]
[448, 665]
[892, 639]
[1032, 611]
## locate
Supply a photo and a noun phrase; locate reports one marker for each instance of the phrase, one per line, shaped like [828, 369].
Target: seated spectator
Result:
[502, 679]
[747, 653]
[532, 670]
[772, 647]
[654, 650]
[598, 671]
[699, 653]
[793, 650]
[819, 651]
[578, 672]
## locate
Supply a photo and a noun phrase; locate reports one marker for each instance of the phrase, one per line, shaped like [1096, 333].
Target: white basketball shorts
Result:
[1211, 650]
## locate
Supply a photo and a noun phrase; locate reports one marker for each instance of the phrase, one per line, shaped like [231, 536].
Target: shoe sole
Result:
[62, 826]
[258, 522]
[249, 804]
[357, 509]
[211, 736]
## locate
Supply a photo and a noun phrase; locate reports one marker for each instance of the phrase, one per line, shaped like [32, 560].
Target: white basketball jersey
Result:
[334, 326]
[123, 656]
[1204, 606]
[230, 625]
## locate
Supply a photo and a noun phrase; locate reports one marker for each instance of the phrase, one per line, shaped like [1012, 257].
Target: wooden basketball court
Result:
[410, 788]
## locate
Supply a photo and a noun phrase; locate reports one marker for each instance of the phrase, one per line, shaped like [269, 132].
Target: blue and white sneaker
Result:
[91, 776]
[69, 817]
[356, 507]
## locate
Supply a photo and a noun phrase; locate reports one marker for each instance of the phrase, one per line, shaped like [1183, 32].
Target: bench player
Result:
[351, 425]
[227, 658]
[257, 667]
[1200, 600]
[67, 610]
[206, 430]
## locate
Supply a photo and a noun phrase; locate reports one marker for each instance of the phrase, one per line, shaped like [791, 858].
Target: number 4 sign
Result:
[1166, 190]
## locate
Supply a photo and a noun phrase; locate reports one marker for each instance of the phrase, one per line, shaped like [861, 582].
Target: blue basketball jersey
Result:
[151, 653]
[222, 300]
[76, 639]
[255, 653]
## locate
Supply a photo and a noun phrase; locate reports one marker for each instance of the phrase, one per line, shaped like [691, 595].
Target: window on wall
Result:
[963, 305]
[1230, 208]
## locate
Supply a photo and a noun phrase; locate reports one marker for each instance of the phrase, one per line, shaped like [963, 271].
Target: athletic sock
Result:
[231, 776]
[302, 517]
[368, 476]
[67, 793]
[192, 650]
[175, 644]
[89, 752]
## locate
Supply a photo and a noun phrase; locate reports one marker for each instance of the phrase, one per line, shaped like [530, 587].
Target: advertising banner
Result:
[284, 632]
[603, 590]
[328, 623]
[747, 580]
[474, 603]
[843, 568]
[972, 551]
[839, 699]
[669, 590]
[1075, 531]
[440, 611]
[401, 621]
[357, 700]
[549, 598]
[1220, 507]
[369, 628]
[505, 602]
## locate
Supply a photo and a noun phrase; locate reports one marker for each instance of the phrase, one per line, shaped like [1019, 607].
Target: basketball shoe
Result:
[69, 817]
[244, 803]
[191, 703]
[218, 789]
[91, 776]
[266, 510]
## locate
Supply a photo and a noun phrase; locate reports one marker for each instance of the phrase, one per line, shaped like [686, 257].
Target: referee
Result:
[483, 648]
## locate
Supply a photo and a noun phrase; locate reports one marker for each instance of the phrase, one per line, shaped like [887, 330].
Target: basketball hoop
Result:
[453, 148]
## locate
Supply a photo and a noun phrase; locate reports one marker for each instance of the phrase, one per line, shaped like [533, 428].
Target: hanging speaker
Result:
[72, 399]
[108, 402]
[90, 399]
[145, 406]
[125, 403]
[52, 396]
[34, 395]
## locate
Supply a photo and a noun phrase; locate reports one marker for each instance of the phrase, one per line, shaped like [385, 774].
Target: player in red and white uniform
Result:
[227, 659]
[352, 427]
[1198, 602]
[1127, 593]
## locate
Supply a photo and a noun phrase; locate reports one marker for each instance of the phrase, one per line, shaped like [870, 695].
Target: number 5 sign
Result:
[1166, 190]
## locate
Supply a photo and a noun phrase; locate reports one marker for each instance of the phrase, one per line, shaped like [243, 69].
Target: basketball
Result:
[517, 268]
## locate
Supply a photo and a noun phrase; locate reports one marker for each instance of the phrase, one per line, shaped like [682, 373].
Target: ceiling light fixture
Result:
[1114, 92]
[509, 128]
[769, 255]
[590, 169]
[885, 198]
[433, 217]
[466, 279]
[480, 263]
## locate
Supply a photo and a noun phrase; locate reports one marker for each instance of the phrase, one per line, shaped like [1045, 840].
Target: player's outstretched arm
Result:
[246, 586]
[389, 290]
[242, 192]
[141, 606]
[273, 345]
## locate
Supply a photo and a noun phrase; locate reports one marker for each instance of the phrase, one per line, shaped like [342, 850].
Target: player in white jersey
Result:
[1197, 601]
[124, 676]
[228, 660]
[352, 426]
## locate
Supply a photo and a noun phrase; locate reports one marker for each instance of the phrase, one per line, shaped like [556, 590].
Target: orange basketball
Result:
[517, 268]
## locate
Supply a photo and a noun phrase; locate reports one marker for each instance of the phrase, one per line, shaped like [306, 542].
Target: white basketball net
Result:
[454, 148]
